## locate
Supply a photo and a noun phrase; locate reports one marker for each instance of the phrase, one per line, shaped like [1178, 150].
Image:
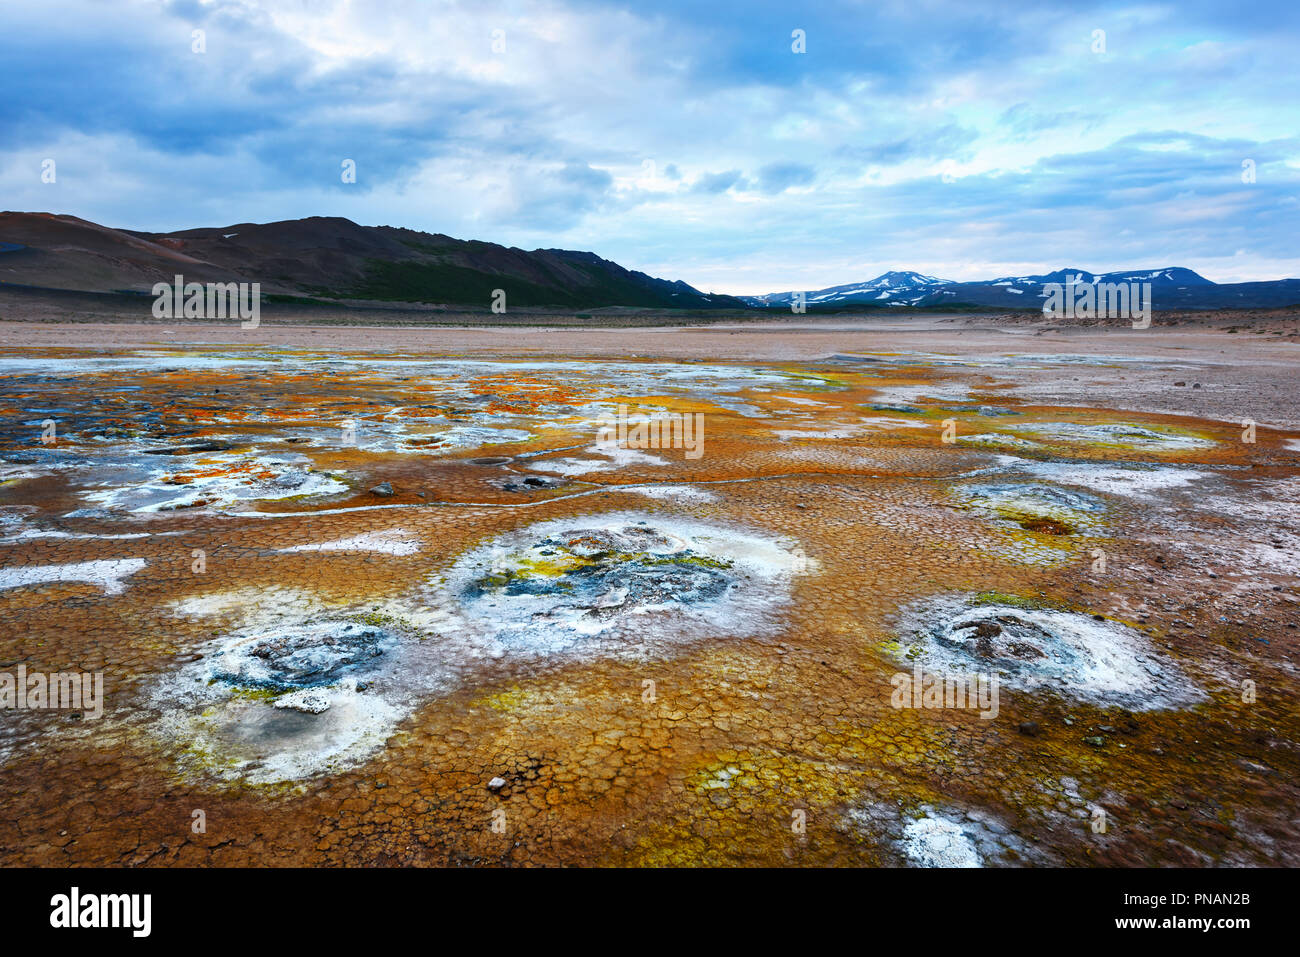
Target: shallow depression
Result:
[625, 582]
[1029, 648]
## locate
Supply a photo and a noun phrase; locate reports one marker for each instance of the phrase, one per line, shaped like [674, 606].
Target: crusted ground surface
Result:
[532, 646]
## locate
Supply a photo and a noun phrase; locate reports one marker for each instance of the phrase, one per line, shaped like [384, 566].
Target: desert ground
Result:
[392, 595]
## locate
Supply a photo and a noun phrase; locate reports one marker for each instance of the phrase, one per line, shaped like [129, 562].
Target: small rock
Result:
[1028, 728]
[307, 700]
[496, 784]
[1097, 741]
[384, 488]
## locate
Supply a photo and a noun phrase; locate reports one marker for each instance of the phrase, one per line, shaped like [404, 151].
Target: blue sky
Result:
[686, 139]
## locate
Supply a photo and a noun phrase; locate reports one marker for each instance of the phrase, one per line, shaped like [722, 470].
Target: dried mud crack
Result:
[635, 654]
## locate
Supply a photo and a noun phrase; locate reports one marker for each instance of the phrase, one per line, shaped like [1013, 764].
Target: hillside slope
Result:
[326, 257]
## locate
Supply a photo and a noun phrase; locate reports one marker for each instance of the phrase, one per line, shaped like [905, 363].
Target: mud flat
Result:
[378, 596]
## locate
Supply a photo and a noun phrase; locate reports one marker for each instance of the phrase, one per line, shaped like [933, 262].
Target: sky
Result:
[742, 147]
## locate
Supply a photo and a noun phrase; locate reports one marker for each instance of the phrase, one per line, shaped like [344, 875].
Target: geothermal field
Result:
[766, 594]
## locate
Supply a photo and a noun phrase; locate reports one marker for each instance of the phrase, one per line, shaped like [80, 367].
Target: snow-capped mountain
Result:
[897, 286]
[1175, 276]
[1172, 287]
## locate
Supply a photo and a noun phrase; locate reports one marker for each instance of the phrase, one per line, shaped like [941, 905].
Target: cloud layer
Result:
[687, 140]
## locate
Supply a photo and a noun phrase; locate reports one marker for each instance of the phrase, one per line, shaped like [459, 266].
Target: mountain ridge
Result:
[333, 258]
[1171, 287]
[327, 257]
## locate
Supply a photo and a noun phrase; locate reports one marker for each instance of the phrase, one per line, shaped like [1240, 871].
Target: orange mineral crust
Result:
[400, 606]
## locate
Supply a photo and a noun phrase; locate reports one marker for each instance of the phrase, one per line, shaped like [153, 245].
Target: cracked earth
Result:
[376, 601]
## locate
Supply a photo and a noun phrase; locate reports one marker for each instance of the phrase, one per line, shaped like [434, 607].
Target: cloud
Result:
[920, 134]
[718, 182]
[948, 140]
[1023, 122]
[778, 177]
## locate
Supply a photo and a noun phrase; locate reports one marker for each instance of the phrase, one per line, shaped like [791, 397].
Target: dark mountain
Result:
[326, 257]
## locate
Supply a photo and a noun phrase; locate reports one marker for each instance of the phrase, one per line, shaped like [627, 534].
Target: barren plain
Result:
[394, 595]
